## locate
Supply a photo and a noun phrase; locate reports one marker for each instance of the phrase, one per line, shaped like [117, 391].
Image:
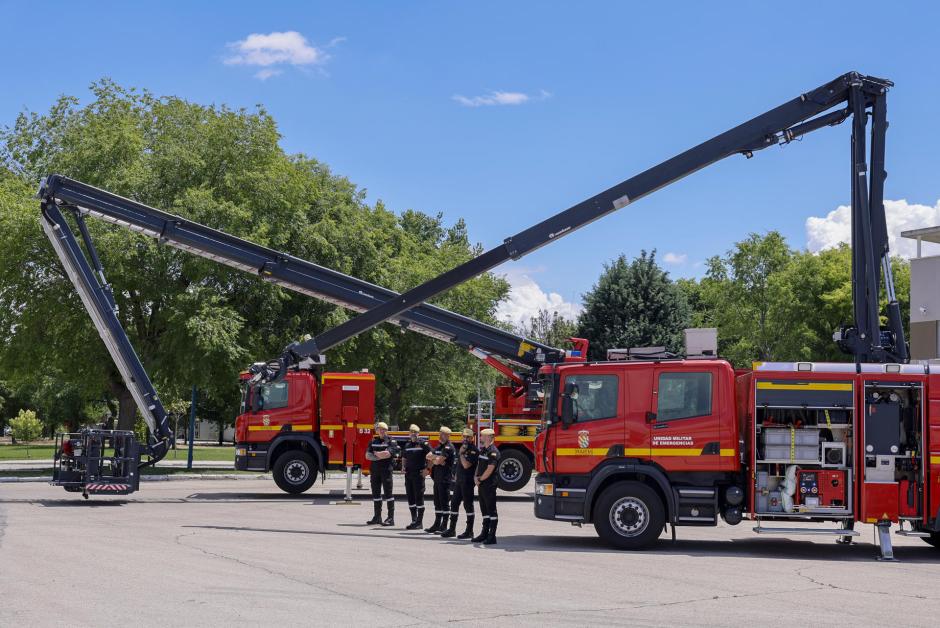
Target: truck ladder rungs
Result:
[821, 531]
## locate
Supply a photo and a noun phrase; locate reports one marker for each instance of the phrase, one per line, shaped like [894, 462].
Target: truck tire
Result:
[513, 470]
[294, 471]
[629, 515]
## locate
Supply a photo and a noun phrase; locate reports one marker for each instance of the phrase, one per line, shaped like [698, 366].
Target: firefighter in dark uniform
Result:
[382, 452]
[486, 485]
[466, 465]
[414, 464]
[441, 460]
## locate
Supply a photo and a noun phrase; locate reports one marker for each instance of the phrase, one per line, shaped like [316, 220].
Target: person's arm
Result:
[492, 459]
[463, 458]
[370, 454]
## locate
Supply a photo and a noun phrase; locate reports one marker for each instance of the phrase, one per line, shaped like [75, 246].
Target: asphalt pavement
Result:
[206, 553]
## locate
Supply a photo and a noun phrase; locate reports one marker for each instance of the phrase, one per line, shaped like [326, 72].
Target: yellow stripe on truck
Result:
[807, 386]
[934, 459]
[349, 376]
[277, 428]
[574, 451]
[642, 451]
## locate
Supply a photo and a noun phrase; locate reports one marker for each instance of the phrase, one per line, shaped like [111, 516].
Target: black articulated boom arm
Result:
[853, 93]
[97, 298]
[484, 341]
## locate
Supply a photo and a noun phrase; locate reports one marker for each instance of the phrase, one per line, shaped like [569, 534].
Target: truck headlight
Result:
[544, 489]
[241, 451]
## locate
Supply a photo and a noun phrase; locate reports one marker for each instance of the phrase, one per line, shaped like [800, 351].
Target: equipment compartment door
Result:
[684, 420]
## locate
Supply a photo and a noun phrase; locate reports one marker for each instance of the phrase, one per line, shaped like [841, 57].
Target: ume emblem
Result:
[584, 439]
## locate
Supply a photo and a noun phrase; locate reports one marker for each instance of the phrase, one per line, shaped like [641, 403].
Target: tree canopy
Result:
[633, 304]
[193, 321]
[770, 302]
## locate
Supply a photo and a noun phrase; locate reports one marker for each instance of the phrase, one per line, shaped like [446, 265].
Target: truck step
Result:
[912, 533]
[810, 531]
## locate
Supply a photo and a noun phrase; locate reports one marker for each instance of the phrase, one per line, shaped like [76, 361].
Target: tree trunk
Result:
[127, 410]
[394, 405]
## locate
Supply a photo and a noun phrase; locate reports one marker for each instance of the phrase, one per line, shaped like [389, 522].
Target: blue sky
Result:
[506, 113]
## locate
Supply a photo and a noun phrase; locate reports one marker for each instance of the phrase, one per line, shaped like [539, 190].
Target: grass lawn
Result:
[226, 453]
[147, 471]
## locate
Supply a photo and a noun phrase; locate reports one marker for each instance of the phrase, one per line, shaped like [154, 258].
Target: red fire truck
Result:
[305, 423]
[634, 446]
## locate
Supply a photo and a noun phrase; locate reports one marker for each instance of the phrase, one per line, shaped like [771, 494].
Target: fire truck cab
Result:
[300, 427]
[634, 446]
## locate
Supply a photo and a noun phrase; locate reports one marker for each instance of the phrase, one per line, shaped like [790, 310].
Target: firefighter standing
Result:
[415, 467]
[486, 483]
[382, 452]
[442, 460]
[466, 465]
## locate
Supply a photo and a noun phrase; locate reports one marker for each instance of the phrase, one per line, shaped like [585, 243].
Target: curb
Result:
[157, 478]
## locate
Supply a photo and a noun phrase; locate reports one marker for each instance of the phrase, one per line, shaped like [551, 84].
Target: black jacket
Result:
[414, 456]
[382, 444]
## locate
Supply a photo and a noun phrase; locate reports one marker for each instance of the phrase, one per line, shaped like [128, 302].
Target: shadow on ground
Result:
[763, 548]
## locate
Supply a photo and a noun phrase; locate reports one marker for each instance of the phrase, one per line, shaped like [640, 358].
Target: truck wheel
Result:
[294, 471]
[629, 515]
[514, 470]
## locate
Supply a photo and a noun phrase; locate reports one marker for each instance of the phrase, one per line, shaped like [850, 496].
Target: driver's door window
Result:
[594, 397]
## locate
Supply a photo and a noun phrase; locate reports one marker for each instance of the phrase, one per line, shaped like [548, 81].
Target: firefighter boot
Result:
[468, 533]
[390, 519]
[377, 519]
[484, 533]
[491, 537]
[452, 530]
[436, 526]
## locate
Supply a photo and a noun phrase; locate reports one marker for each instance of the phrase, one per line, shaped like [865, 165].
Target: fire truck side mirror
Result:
[257, 403]
[567, 404]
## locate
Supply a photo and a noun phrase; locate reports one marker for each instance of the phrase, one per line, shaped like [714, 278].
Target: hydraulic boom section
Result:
[806, 113]
[93, 460]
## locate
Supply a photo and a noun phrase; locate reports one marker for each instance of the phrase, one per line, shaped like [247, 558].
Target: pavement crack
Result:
[608, 609]
[829, 585]
[278, 574]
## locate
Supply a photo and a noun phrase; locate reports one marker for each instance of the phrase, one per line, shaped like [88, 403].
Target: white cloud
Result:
[276, 49]
[836, 227]
[267, 73]
[526, 298]
[495, 97]
[676, 259]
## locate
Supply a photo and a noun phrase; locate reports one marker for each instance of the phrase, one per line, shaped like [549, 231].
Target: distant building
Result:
[925, 297]
[209, 431]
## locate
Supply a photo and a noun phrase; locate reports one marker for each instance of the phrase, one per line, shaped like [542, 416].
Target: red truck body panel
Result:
[753, 425]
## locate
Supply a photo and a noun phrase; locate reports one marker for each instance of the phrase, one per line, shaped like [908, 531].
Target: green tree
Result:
[26, 428]
[417, 370]
[813, 298]
[550, 328]
[741, 293]
[193, 321]
[633, 304]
